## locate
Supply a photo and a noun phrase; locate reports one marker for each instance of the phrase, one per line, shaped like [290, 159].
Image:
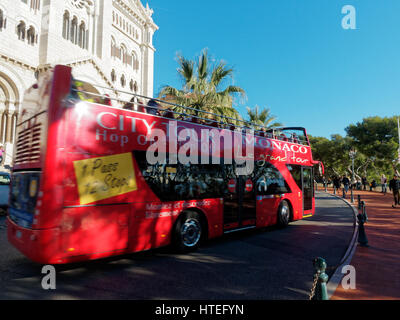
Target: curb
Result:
[336, 278]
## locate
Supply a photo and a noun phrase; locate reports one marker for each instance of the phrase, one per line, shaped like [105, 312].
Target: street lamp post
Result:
[352, 155]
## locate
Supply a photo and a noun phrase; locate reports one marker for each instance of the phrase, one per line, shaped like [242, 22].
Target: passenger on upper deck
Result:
[141, 106]
[283, 137]
[77, 86]
[169, 114]
[107, 100]
[153, 107]
[129, 105]
[295, 138]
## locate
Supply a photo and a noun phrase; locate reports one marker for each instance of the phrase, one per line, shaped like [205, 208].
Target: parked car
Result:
[4, 188]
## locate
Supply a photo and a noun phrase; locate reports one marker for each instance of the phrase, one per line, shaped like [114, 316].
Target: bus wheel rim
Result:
[285, 212]
[191, 232]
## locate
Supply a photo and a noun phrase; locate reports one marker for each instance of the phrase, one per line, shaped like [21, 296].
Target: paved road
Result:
[258, 264]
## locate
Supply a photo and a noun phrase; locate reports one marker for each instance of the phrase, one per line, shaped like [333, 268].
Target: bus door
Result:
[239, 203]
[308, 188]
[248, 204]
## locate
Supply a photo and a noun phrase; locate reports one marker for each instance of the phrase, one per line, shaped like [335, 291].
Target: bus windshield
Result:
[295, 135]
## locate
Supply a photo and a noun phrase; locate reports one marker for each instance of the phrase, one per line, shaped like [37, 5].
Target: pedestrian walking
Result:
[394, 186]
[353, 183]
[364, 182]
[384, 184]
[359, 184]
[346, 184]
[336, 183]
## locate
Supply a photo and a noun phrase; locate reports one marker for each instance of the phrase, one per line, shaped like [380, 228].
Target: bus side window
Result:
[182, 181]
[269, 181]
[295, 170]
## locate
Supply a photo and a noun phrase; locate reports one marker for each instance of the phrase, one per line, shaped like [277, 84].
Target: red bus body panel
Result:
[67, 229]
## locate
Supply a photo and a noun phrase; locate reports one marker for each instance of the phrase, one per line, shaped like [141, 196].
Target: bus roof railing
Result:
[274, 133]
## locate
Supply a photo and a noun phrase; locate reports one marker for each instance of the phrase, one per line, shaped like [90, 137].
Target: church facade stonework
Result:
[108, 43]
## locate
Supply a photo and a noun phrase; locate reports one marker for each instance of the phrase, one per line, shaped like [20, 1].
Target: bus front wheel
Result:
[284, 214]
[188, 232]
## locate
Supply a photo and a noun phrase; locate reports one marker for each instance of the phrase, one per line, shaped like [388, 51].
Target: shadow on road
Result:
[265, 264]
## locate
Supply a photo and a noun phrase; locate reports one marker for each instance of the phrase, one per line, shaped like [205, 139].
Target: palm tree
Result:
[203, 89]
[264, 118]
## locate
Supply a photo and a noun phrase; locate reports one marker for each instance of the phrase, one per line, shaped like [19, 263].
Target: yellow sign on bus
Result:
[104, 177]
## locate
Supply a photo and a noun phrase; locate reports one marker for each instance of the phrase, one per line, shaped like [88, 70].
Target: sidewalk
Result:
[378, 266]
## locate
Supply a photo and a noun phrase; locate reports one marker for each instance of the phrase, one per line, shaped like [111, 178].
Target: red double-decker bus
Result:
[83, 186]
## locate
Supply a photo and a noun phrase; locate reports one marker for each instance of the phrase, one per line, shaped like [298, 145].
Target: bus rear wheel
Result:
[188, 232]
[283, 214]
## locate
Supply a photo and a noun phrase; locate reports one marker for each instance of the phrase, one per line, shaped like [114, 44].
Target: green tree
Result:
[334, 153]
[263, 118]
[376, 142]
[204, 88]
[377, 138]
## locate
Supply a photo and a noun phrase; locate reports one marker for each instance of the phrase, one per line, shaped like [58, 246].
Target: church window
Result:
[133, 86]
[123, 81]
[113, 48]
[135, 61]
[74, 31]
[66, 26]
[123, 56]
[82, 35]
[31, 36]
[2, 20]
[21, 30]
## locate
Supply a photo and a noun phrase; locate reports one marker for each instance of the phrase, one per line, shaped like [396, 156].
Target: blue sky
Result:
[292, 56]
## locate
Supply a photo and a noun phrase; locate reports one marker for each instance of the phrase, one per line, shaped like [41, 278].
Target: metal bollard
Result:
[364, 211]
[352, 195]
[362, 237]
[326, 188]
[344, 194]
[319, 290]
[359, 202]
[334, 190]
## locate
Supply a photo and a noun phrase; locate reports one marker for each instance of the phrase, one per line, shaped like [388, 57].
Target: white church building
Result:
[106, 42]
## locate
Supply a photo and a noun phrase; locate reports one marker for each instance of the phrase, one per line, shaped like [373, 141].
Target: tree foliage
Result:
[334, 153]
[376, 141]
[376, 137]
[204, 88]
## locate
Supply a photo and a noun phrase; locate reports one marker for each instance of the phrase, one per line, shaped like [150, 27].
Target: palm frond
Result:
[263, 118]
[220, 73]
[202, 66]
[202, 87]
[186, 69]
